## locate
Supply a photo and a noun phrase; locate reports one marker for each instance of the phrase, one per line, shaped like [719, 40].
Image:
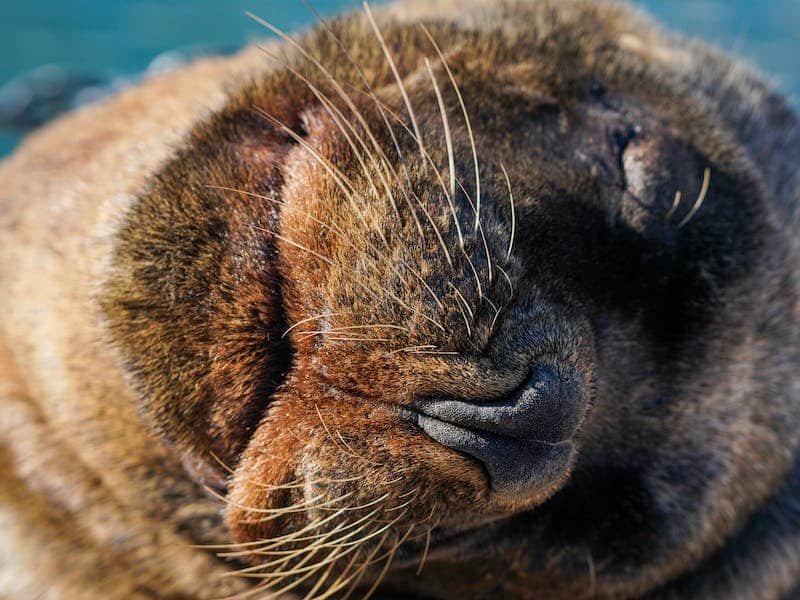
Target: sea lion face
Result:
[417, 320]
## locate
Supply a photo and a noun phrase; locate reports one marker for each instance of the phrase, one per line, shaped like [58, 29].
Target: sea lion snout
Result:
[521, 439]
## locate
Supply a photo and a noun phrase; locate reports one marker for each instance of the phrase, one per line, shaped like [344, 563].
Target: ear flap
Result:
[193, 298]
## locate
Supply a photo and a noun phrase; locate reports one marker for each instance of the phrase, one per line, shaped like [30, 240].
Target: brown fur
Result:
[223, 294]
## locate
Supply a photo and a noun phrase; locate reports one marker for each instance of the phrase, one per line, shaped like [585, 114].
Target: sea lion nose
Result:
[521, 439]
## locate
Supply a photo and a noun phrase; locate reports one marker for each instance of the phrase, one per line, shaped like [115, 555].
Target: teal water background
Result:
[113, 41]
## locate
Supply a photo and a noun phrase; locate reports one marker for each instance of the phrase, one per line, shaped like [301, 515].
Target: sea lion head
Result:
[465, 295]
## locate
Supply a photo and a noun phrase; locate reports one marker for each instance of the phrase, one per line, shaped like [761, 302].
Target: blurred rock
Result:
[34, 98]
[174, 59]
[38, 96]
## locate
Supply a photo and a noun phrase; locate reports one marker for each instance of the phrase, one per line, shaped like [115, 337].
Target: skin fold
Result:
[436, 300]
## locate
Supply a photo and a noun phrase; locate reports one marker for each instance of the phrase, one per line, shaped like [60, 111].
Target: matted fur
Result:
[228, 289]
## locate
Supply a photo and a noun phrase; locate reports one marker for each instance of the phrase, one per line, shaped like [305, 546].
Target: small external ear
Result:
[193, 299]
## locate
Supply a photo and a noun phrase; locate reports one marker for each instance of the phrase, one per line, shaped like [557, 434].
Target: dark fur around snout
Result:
[516, 320]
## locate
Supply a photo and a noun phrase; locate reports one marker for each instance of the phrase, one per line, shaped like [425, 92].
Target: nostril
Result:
[548, 407]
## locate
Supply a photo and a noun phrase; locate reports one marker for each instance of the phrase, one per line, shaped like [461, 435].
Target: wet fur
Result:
[157, 247]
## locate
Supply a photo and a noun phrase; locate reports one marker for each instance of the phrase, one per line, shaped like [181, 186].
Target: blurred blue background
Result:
[55, 55]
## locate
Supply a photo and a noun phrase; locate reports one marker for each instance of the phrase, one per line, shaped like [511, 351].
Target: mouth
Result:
[523, 441]
[518, 469]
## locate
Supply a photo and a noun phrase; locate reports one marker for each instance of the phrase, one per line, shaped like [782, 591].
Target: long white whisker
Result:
[513, 213]
[700, 199]
[449, 145]
[675, 204]
[340, 179]
[466, 122]
[396, 74]
[342, 122]
[508, 280]
[489, 262]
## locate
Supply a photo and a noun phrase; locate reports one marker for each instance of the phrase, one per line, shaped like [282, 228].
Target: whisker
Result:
[309, 319]
[235, 504]
[266, 586]
[474, 273]
[293, 537]
[270, 552]
[411, 348]
[431, 162]
[342, 580]
[489, 264]
[293, 508]
[368, 289]
[348, 450]
[496, 315]
[341, 234]
[513, 214]
[371, 92]
[340, 179]
[335, 83]
[359, 339]
[385, 570]
[351, 327]
[508, 280]
[291, 242]
[700, 199]
[339, 549]
[675, 204]
[383, 108]
[425, 552]
[427, 287]
[367, 505]
[446, 126]
[363, 567]
[224, 188]
[321, 580]
[294, 484]
[427, 540]
[341, 122]
[399, 81]
[254, 571]
[404, 504]
[466, 122]
[278, 594]
[344, 238]
[461, 309]
[360, 283]
[449, 144]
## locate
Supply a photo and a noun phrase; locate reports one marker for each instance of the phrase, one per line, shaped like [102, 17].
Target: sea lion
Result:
[437, 300]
